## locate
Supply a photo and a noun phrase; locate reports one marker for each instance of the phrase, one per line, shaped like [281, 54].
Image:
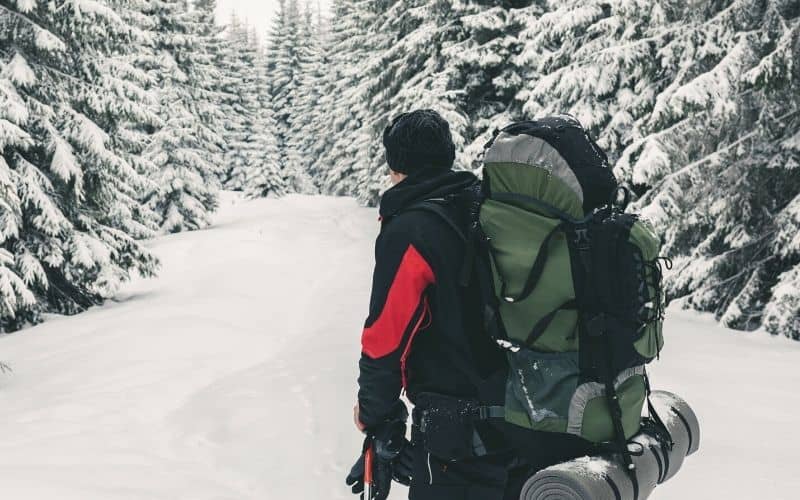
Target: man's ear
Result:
[396, 177]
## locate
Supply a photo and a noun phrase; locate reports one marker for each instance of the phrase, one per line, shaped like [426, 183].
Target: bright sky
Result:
[256, 12]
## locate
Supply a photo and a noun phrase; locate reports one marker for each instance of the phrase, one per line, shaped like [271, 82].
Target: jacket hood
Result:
[424, 185]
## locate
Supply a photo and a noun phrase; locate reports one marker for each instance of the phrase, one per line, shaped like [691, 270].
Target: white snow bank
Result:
[232, 376]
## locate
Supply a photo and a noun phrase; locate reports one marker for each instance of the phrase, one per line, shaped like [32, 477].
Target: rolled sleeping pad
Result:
[683, 427]
[605, 477]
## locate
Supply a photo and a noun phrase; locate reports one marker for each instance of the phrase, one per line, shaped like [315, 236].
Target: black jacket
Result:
[422, 326]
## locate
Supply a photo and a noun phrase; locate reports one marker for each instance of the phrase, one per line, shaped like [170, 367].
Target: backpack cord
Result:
[657, 282]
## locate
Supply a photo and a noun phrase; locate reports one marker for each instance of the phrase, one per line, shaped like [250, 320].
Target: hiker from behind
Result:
[424, 335]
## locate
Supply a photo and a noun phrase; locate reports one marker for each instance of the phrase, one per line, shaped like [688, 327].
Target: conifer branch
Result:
[690, 166]
[31, 22]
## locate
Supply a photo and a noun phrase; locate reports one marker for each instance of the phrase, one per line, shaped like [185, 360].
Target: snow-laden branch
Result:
[690, 166]
[41, 41]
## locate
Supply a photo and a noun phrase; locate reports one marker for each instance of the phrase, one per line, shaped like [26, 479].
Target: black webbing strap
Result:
[595, 332]
[538, 266]
[659, 429]
[542, 324]
[470, 251]
[436, 207]
[619, 434]
[616, 415]
[662, 471]
[613, 486]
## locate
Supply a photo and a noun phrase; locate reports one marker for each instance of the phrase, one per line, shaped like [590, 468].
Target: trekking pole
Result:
[369, 458]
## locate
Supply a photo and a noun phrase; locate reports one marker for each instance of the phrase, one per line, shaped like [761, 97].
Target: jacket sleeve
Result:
[398, 308]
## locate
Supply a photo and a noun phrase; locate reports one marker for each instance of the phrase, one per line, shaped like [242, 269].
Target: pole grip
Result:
[369, 461]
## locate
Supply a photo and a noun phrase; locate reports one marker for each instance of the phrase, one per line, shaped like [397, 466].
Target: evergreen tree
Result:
[411, 70]
[304, 131]
[266, 178]
[320, 80]
[185, 149]
[68, 193]
[354, 44]
[209, 96]
[253, 154]
[487, 75]
[718, 165]
[414, 54]
[239, 84]
[284, 68]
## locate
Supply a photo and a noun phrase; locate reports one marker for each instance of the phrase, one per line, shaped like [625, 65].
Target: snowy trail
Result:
[232, 376]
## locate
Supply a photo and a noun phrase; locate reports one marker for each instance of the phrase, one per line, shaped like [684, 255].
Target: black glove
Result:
[356, 477]
[392, 458]
[393, 451]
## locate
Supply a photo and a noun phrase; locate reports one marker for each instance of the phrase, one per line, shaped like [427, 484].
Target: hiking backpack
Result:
[571, 283]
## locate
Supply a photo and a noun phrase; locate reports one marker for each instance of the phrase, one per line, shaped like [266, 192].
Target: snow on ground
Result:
[232, 376]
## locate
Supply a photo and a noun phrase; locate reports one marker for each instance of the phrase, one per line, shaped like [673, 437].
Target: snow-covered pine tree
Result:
[303, 130]
[410, 71]
[126, 74]
[718, 167]
[320, 78]
[353, 41]
[595, 60]
[284, 68]
[410, 54]
[67, 189]
[209, 97]
[265, 175]
[693, 101]
[239, 85]
[184, 149]
[486, 71]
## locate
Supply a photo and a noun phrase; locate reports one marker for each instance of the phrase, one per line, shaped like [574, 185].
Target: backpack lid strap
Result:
[537, 268]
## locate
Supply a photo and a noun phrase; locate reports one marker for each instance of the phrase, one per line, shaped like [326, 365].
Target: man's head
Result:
[419, 140]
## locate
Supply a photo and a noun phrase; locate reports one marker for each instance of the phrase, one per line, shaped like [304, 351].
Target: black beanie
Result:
[419, 140]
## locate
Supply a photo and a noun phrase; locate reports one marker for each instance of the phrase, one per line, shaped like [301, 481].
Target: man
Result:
[424, 335]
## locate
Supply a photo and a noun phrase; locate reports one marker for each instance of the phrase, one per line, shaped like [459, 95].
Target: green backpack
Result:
[570, 282]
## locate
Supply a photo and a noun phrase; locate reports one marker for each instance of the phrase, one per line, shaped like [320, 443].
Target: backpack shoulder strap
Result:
[437, 206]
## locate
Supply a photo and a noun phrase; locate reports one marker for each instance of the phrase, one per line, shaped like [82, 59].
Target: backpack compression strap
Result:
[595, 337]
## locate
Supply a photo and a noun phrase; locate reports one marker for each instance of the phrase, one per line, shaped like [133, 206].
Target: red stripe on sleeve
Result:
[412, 278]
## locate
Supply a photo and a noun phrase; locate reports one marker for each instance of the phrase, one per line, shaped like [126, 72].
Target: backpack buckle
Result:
[582, 238]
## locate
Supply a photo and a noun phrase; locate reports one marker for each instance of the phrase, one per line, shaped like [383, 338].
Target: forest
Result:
[123, 119]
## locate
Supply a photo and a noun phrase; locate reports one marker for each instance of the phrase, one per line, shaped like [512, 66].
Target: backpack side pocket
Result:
[540, 387]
